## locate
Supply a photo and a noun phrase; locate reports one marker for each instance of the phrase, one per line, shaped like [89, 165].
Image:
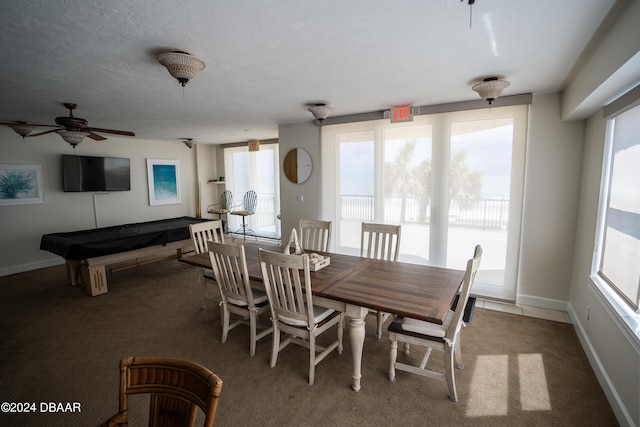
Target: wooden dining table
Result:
[353, 285]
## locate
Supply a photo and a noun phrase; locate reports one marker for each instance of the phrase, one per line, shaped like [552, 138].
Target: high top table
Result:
[354, 285]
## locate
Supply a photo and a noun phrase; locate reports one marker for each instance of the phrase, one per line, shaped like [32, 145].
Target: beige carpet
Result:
[59, 345]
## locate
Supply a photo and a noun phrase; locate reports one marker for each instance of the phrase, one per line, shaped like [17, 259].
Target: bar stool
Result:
[249, 202]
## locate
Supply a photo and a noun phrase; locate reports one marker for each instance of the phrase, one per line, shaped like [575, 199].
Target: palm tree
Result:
[423, 189]
[464, 183]
[402, 180]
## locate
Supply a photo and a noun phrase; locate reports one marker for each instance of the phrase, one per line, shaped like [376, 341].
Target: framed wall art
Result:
[164, 182]
[21, 184]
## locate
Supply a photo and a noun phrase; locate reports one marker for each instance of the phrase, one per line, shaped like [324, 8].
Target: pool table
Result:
[88, 252]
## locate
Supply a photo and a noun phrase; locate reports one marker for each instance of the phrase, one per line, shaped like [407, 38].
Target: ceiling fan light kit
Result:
[72, 137]
[22, 129]
[181, 65]
[491, 88]
[320, 111]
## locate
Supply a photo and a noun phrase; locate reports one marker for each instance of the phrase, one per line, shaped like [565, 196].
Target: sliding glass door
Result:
[255, 170]
[452, 180]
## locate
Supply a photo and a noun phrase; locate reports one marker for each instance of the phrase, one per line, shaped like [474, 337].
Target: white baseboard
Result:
[622, 415]
[30, 266]
[548, 303]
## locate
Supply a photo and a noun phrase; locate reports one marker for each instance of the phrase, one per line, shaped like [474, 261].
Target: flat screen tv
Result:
[88, 173]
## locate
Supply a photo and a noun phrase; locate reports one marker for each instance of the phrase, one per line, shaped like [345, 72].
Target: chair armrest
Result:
[119, 419]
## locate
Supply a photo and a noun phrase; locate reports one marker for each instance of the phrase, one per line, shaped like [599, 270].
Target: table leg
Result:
[95, 279]
[356, 334]
[73, 271]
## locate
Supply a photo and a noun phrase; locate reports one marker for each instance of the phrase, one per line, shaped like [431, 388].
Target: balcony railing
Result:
[485, 214]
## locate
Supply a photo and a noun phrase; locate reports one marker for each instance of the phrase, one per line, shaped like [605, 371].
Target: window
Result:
[618, 247]
[258, 171]
[451, 180]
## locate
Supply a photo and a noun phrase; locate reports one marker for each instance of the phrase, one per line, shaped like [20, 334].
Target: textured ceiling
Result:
[266, 59]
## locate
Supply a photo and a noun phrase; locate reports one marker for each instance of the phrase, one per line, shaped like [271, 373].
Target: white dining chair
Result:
[432, 336]
[287, 281]
[229, 265]
[315, 235]
[380, 241]
[201, 234]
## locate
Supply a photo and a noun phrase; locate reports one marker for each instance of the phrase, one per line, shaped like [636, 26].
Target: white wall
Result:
[612, 348]
[552, 180]
[22, 226]
[307, 136]
[612, 68]
[206, 170]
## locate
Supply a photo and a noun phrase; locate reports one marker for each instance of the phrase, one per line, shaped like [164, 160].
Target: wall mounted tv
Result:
[87, 173]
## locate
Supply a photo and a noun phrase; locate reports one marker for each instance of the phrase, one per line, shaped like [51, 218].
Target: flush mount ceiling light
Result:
[320, 111]
[490, 88]
[181, 65]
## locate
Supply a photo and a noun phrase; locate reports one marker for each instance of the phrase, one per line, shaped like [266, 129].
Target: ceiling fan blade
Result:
[44, 133]
[115, 132]
[26, 124]
[96, 137]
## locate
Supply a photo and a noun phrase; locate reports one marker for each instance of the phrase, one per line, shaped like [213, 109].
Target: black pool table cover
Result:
[84, 244]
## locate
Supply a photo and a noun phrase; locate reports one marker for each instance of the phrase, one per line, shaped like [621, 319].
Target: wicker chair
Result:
[177, 388]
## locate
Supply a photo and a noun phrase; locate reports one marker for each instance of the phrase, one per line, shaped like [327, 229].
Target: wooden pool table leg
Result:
[95, 279]
[73, 271]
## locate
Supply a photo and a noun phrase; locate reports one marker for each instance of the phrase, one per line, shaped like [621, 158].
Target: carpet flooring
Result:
[57, 344]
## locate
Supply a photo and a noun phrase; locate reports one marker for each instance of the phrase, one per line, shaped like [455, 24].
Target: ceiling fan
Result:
[74, 129]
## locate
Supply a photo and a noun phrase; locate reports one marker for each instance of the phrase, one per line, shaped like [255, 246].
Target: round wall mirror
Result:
[297, 165]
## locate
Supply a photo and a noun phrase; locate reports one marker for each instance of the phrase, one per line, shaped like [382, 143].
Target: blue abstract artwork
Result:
[164, 182]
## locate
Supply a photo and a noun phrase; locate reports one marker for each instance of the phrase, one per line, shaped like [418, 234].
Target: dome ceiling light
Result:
[491, 88]
[320, 111]
[181, 65]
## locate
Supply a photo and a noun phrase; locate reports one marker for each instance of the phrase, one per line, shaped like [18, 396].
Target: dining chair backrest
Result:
[177, 388]
[229, 265]
[203, 232]
[380, 241]
[315, 235]
[465, 290]
[287, 279]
